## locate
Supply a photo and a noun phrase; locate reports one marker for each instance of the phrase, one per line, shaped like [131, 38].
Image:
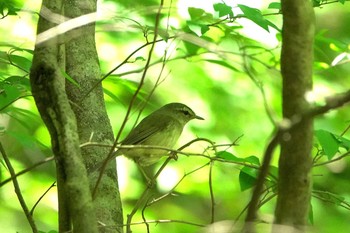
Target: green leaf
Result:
[328, 142]
[316, 2]
[70, 79]
[8, 94]
[226, 155]
[18, 81]
[197, 28]
[311, 215]
[139, 58]
[223, 9]
[344, 143]
[230, 157]
[273, 26]
[195, 13]
[112, 95]
[27, 141]
[329, 197]
[222, 63]
[273, 171]
[254, 15]
[252, 159]
[191, 48]
[274, 5]
[20, 61]
[247, 178]
[9, 7]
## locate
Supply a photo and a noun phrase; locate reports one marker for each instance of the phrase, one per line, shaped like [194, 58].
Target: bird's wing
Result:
[146, 128]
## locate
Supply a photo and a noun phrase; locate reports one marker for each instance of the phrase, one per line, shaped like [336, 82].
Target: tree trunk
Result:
[294, 187]
[82, 64]
[72, 119]
[48, 88]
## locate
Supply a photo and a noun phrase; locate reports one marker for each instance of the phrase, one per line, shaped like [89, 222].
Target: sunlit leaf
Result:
[198, 29]
[275, 5]
[139, 58]
[321, 65]
[223, 9]
[195, 13]
[339, 58]
[254, 15]
[222, 63]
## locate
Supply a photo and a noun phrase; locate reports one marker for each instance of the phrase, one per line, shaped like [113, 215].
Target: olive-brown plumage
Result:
[162, 128]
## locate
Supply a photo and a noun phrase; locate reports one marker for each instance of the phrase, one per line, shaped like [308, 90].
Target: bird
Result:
[162, 127]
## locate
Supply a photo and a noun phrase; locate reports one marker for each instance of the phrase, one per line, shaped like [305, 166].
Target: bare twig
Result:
[332, 102]
[346, 154]
[251, 215]
[41, 197]
[27, 170]
[212, 198]
[143, 77]
[18, 190]
[144, 195]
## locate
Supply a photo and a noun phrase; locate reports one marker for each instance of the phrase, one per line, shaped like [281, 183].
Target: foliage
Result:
[214, 60]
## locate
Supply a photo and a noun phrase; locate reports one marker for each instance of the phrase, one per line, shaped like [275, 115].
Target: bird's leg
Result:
[173, 155]
[148, 177]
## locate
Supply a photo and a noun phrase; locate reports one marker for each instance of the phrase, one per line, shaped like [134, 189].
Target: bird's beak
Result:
[198, 117]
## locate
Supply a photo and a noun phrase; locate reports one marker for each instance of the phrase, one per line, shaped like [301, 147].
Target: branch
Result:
[332, 103]
[18, 190]
[156, 27]
[27, 170]
[144, 195]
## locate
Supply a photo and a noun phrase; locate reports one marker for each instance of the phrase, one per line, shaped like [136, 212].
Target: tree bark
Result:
[294, 186]
[82, 64]
[48, 88]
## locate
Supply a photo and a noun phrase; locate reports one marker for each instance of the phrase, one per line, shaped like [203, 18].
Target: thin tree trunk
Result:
[294, 187]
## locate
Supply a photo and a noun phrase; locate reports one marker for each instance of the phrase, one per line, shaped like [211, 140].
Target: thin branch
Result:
[11, 102]
[332, 102]
[145, 193]
[211, 191]
[170, 221]
[41, 197]
[251, 215]
[175, 186]
[133, 99]
[118, 66]
[259, 85]
[27, 170]
[346, 130]
[144, 196]
[18, 190]
[346, 154]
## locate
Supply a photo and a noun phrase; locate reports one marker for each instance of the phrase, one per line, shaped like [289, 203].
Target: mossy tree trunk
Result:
[72, 119]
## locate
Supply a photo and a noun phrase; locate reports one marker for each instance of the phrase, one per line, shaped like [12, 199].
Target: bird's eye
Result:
[186, 113]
